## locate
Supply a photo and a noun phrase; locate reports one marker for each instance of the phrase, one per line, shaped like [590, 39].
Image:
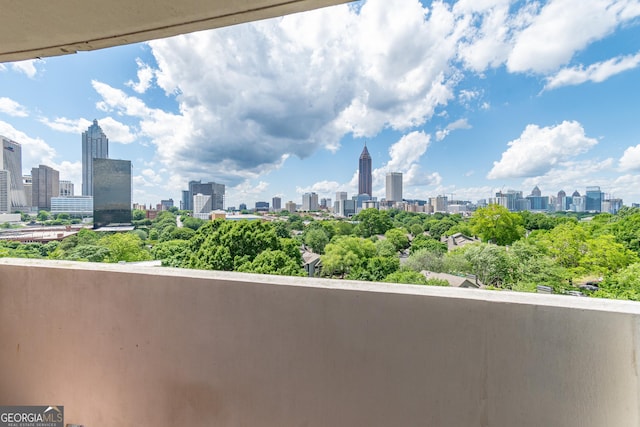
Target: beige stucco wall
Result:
[142, 346]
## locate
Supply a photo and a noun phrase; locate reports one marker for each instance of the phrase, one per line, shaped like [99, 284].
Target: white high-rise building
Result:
[11, 161]
[66, 189]
[394, 187]
[27, 184]
[202, 206]
[95, 145]
[5, 191]
[310, 202]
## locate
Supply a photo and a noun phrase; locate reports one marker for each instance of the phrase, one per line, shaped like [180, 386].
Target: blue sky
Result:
[464, 98]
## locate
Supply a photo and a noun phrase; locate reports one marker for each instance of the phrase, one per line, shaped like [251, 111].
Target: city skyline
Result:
[461, 98]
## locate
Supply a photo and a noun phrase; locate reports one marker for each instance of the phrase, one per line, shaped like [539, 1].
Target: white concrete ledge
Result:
[568, 302]
[129, 345]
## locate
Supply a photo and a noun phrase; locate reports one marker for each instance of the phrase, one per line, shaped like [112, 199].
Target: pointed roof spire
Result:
[365, 153]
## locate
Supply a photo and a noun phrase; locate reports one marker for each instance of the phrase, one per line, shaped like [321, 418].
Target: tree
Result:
[372, 221]
[398, 238]
[43, 216]
[142, 234]
[172, 253]
[139, 215]
[374, 269]
[532, 267]
[416, 229]
[225, 245]
[437, 230]
[623, 285]
[124, 247]
[427, 242]
[345, 253]
[93, 253]
[182, 233]
[425, 259]
[273, 262]
[193, 223]
[496, 224]
[316, 239]
[566, 244]
[491, 264]
[406, 276]
[385, 248]
[436, 282]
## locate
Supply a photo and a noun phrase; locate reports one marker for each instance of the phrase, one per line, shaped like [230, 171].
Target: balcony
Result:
[124, 345]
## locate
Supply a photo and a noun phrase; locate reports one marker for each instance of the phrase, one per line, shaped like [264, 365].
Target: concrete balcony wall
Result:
[123, 345]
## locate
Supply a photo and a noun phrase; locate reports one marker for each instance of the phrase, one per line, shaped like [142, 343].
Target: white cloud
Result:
[564, 27]
[292, 85]
[630, 160]
[571, 175]
[62, 124]
[458, 124]
[145, 77]
[322, 188]
[12, 108]
[538, 149]
[152, 176]
[70, 171]
[3, 67]
[34, 150]
[246, 190]
[404, 157]
[597, 72]
[26, 67]
[488, 44]
[626, 186]
[116, 131]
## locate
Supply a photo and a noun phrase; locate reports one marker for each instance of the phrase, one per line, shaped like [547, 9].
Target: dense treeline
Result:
[518, 251]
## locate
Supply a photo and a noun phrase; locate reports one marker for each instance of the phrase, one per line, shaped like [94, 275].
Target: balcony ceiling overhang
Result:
[36, 29]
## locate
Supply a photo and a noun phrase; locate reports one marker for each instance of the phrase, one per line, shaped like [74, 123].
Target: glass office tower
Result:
[111, 192]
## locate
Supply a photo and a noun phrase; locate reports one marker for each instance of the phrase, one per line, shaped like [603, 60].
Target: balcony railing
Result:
[124, 345]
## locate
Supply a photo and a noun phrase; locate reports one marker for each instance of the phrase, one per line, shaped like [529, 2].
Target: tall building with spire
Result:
[95, 145]
[364, 176]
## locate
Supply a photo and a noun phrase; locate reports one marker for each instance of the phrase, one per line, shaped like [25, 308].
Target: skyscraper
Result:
[216, 191]
[27, 184]
[594, 199]
[394, 187]
[111, 192]
[5, 191]
[11, 157]
[364, 176]
[276, 203]
[95, 145]
[45, 184]
[310, 202]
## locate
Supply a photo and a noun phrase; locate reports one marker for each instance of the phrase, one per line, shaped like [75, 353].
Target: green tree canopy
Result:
[372, 221]
[273, 262]
[345, 253]
[398, 238]
[496, 224]
[316, 239]
[406, 276]
[124, 247]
